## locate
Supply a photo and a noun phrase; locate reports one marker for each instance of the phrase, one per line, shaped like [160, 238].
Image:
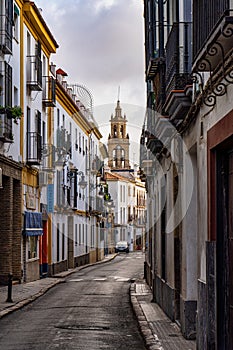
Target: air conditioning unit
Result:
[43, 178]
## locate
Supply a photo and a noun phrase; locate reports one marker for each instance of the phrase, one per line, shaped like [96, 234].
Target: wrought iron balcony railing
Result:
[96, 165]
[48, 157]
[34, 148]
[6, 34]
[206, 14]
[34, 73]
[178, 57]
[5, 128]
[49, 91]
[61, 138]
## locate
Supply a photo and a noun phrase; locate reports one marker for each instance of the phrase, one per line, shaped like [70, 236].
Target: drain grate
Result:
[75, 327]
[173, 335]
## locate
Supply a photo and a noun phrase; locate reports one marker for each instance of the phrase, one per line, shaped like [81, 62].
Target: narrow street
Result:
[91, 310]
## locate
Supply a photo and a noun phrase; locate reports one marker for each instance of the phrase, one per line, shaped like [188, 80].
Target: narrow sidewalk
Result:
[159, 332]
[25, 293]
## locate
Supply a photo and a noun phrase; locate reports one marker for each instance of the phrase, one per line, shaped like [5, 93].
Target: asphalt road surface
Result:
[91, 310]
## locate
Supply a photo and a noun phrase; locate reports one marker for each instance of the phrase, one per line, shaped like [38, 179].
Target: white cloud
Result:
[101, 45]
[104, 4]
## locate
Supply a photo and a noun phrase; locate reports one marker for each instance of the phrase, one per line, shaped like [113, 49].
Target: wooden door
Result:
[224, 250]
[230, 247]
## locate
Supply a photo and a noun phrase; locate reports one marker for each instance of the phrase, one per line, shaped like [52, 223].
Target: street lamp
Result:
[73, 173]
[101, 192]
[82, 183]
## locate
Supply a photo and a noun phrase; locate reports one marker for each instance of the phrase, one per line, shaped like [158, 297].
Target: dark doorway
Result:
[224, 249]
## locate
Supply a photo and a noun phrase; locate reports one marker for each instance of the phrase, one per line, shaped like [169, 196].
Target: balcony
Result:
[34, 73]
[207, 16]
[215, 47]
[178, 68]
[49, 92]
[178, 57]
[6, 35]
[154, 144]
[64, 143]
[96, 165]
[6, 135]
[34, 148]
[61, 139]
[48, 157]
[153, 67]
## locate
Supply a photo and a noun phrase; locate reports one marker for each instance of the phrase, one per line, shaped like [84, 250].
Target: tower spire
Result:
[118, 97]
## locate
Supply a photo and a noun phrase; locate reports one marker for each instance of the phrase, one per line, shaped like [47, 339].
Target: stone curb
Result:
[27, 301]
[151, 340]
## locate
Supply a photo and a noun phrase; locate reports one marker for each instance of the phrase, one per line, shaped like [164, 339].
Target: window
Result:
[32, 247]
[6, 28]
[16, 23]
[76, 235]
[79, 233]
[58, 117]
[79, 142]
[60, 189]
[8, 85]
[38, 122]
[28, 119]
[76, 139]
[16, 96]
[44, 70]
[92, 237]
[87, 156]
[58, 243]
[63, 241]
[122, 131]
[43, 133]
[123, 193]
[28, 44]
[86, 239]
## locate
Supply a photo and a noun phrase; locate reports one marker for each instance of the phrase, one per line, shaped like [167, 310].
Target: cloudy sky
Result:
[101, 46]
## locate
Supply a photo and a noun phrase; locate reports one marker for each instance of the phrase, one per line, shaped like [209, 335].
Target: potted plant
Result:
[14, 113]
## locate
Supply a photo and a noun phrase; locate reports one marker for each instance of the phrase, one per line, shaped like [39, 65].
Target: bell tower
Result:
[118, 142]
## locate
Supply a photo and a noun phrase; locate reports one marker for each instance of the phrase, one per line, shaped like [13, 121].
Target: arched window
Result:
[122, 130]
[114, 157]
[122, 158]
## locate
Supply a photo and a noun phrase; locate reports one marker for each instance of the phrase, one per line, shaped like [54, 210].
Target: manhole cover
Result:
[83, 327]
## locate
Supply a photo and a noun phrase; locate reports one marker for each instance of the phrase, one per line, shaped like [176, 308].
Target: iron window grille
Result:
[6, 28]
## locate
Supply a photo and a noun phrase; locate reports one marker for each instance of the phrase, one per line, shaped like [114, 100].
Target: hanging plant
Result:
[15, 113]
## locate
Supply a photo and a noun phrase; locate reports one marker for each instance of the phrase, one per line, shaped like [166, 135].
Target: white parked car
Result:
[122, 246]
